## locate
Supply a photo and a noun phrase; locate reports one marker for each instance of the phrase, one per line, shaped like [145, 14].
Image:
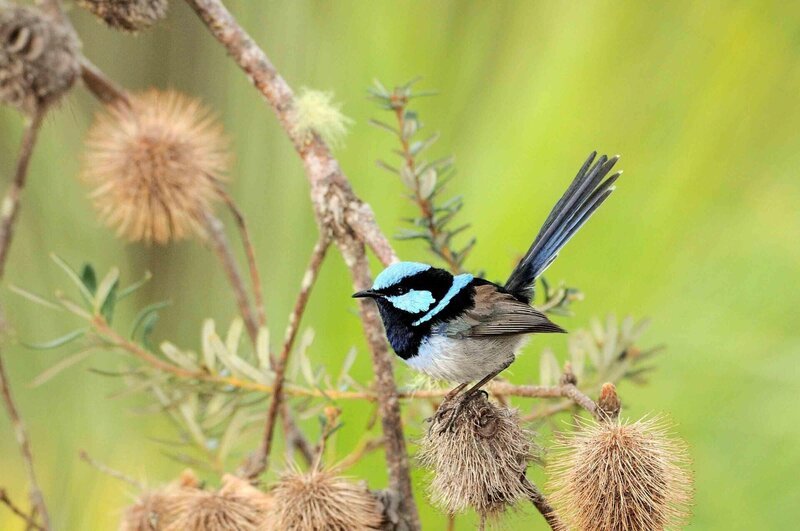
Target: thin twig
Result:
[247, 243]
[29, 520]
[223, 251]
[542, 505]
[116, 474]
[9, 212]
[309, 278]
[102, 87]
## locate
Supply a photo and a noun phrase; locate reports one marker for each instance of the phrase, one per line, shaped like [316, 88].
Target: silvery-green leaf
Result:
[57, 342]
[234, 335]
[427, 183]
[577, 356]
[104, 289]
[597, 330]
[262, 348]
[208, 350]
[73, 276]
[35, 298]
[177, 356]
[231, 434]
[408, 177]
[59, 367]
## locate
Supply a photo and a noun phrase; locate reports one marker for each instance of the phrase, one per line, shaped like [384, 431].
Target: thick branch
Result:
[100, 86]
[309, 278]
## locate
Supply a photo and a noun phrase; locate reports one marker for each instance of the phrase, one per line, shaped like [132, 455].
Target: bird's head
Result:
[414, 293]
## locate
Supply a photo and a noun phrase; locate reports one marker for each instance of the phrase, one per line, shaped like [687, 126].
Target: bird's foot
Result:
[455, 410]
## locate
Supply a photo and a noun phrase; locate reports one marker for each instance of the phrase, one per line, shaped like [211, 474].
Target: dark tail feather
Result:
[586, 193]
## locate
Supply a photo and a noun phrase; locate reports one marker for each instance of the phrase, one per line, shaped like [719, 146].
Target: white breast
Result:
[464, 360]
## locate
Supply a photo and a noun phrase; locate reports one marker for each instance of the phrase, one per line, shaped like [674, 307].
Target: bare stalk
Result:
[309, 278]
[9, 212]
[340, 213]
[252, 265]
[542, 505]
[105, 469]
[5, 500]
[222, 248]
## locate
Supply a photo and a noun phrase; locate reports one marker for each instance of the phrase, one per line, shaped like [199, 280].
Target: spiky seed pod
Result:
[155, 166]
[155, 510]
[127, 15]
[480, 462]
[320, 499]
[237, 505]
[39, 58]
[621, 476]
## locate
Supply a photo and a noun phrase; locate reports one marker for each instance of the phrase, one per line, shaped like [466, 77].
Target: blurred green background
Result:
[701, 99]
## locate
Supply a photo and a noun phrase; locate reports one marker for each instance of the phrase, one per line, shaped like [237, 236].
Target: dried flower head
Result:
[127, 15]
[316, 112]
[320, 499]
[155, 166]
[624, 476]
[237, 505]
[155, 510]
[39, 58]
[480, 462]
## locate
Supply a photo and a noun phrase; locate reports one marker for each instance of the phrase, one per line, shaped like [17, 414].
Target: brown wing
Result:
[499, 314]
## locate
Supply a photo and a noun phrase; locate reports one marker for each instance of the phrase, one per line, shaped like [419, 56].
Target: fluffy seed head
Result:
[479, 463]
[155, 167]
[127, 15]
[622, 476]
[320, 499]
[38, 58]
[315, 111]
[156, 510]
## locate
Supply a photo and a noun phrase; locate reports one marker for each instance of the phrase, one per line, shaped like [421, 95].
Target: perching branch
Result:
[309, 278]
[542, 505]
[102, 87]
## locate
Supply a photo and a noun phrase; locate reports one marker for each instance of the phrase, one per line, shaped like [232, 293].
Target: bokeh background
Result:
[701, 99]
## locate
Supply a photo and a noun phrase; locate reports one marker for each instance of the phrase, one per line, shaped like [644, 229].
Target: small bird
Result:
[463, 328]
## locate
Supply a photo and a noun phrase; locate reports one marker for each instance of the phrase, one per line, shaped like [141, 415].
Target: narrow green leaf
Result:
[89, 278]
[388, 167]
[35, 298]
[73, 276]
[384, 125]
[57, 342]
[135, 286]
[144, 313]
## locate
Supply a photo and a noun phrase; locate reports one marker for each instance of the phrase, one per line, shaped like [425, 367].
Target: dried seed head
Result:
[155, 166]
[322, 500]
[237, 505]
[316, 112]
[127, 15]
[39, 58]
[479, 463]
[615, 475]
[157, 509]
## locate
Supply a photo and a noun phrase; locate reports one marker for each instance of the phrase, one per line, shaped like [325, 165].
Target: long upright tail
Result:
[576, 206]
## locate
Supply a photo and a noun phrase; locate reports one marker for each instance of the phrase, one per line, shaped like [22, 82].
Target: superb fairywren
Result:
[464, 328]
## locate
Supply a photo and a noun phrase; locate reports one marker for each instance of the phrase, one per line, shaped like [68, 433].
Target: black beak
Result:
[366, 293]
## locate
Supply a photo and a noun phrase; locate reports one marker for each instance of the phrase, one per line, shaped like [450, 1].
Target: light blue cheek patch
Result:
[397, 272]
[459, 283]
[412, 302]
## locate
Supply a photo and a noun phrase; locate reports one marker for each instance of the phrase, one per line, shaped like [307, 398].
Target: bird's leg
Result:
[466, 397]
[448, 397]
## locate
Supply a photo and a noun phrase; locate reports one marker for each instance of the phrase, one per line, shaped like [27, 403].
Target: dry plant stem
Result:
[309, 278]
[100, 86]
[9, 211]
[222, 248]
[5, 500]
[116, 474]
[339, 212]
[540, 502]
[247, 243]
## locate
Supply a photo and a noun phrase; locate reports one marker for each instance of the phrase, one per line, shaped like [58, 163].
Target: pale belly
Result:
[464, 360]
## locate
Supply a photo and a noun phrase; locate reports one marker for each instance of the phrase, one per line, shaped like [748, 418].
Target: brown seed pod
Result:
[621, 476]
[39, 58]
[127, 15]
[156, 166]
[155, 510]
[480, 462]
[322, 500]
